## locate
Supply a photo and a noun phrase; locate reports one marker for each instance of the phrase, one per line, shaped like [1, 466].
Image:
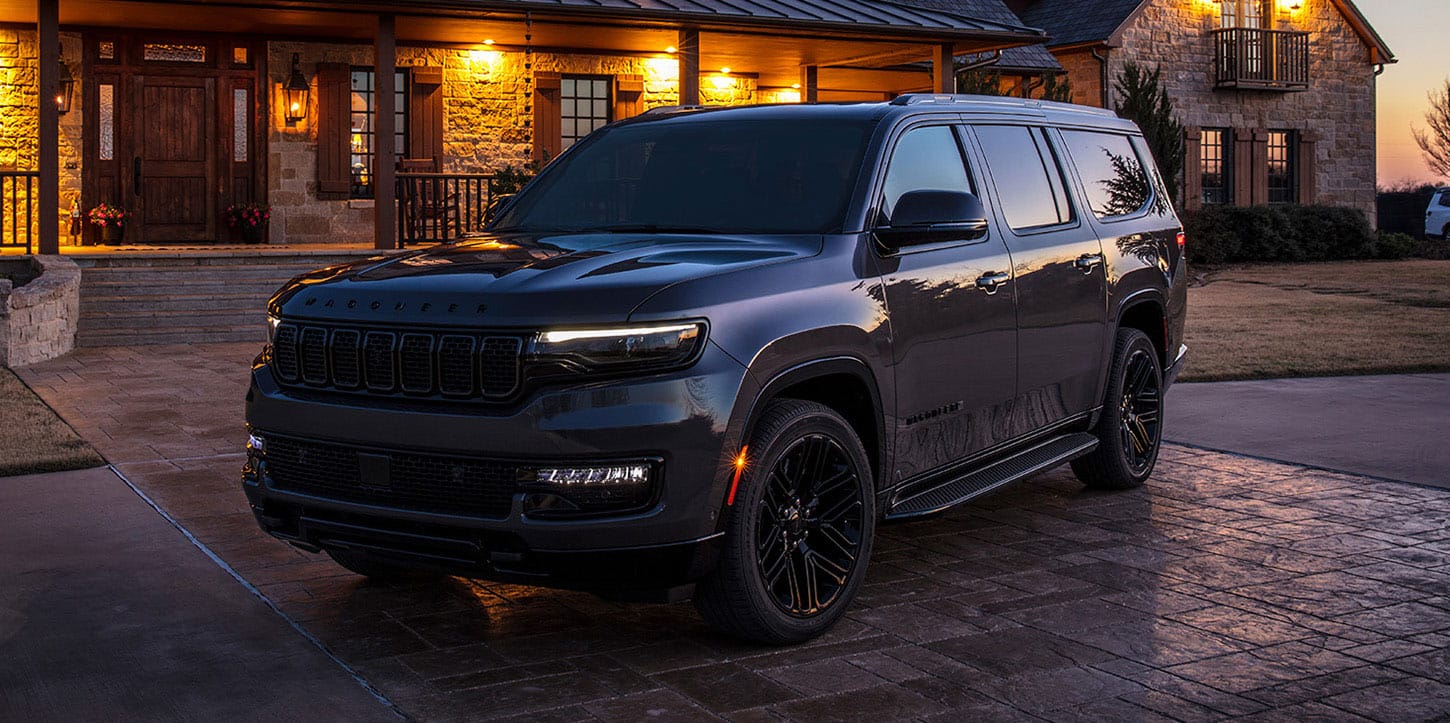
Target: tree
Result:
[1143, 100]
[1057, 86]
[1435, 142]
[981, 81]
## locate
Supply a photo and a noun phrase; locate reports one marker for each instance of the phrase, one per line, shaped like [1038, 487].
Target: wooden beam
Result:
[944, 68]
[385, 156]
[48, 152]
[689, 52]
[810, 83]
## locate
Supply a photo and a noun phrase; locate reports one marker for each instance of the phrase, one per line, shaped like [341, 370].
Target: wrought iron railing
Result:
[442, 206]
[1261, 59]
[18, 222]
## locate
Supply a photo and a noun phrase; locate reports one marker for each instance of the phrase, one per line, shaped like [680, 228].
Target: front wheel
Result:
[799, 533]
[1130, 428]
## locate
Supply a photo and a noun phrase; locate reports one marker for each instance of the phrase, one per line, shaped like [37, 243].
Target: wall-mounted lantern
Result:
[297, 93]
[65, 88]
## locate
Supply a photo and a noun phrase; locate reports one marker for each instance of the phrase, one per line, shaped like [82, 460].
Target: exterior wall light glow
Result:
[65, 88]
[297, 93]
[488, 41]
[672, 49]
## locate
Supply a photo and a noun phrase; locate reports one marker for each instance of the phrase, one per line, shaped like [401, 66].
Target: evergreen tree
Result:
[982, 81]
[1057, 86]
[1142, 99]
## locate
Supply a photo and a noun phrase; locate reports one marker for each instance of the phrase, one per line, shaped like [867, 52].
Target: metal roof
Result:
[1071, 22]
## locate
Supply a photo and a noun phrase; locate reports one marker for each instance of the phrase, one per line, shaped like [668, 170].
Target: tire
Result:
[785, 529]
[373, 569]
[1130, 428]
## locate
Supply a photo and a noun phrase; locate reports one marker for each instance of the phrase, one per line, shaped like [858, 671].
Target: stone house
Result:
[176, 111]
[1278, 95]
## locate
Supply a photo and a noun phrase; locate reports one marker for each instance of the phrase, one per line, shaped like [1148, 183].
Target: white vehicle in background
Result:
[1437, 216]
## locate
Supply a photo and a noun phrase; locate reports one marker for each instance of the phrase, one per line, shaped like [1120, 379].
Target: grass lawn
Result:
[1321, 319]
[34, 438]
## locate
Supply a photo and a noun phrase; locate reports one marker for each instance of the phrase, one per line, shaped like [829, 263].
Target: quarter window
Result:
[1029, 180]
[1283, 167]
[925, 159]
[584, 106]
[1216, 160]
[1113, 174]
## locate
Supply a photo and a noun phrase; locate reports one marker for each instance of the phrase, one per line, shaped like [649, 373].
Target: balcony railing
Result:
[1256, 59]
[18, 222]
[442, 206]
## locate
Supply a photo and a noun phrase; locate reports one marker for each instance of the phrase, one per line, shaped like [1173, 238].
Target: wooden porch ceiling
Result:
[775, 54]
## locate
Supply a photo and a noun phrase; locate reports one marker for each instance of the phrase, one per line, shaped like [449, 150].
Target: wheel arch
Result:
[1147, 312]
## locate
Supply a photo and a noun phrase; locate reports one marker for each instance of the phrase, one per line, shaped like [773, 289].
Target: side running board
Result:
[975, 483]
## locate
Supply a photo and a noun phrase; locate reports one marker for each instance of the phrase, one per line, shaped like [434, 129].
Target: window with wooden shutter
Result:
[334, 109]
[1307, 155]
[628, 96]
[547, 121]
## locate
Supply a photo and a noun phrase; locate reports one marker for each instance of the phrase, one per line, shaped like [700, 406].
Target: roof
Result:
[1075, 22]
[1031, 57]
[916, 17]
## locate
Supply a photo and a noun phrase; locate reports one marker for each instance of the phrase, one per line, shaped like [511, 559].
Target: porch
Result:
[284, 108]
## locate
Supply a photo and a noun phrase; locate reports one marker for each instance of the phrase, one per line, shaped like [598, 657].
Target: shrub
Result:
[1396, 246]
[1218, 235]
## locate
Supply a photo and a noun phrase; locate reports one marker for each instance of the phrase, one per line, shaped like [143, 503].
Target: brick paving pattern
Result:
[1226, 588]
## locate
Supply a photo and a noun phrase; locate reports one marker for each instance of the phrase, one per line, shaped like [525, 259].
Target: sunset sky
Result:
[1419, 33]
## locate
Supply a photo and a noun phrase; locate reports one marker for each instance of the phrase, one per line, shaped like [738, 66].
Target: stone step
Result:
[162, 259]
[172, 335]
[146, 304]
[193, 273]
[124, 320]
[258, 290]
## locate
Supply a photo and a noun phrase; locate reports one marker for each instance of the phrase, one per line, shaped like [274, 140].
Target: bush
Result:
[1226, 234]
[1396, 245]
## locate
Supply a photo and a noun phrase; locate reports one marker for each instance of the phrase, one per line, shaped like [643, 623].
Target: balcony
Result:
[1254, 59]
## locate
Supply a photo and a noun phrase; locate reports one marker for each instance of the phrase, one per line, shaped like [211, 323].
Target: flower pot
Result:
[112, 234]
[254, 234]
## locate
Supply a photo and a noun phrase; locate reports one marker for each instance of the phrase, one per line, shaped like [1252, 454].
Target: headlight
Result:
[272, 322]
[625, 348]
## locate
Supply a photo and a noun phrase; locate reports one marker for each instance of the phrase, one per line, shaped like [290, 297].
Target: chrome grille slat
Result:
[379, 362]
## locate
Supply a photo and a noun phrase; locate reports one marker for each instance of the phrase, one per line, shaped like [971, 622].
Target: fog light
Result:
[572, 490]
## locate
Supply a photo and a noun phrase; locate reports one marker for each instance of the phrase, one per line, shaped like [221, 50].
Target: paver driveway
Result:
[1227, 587]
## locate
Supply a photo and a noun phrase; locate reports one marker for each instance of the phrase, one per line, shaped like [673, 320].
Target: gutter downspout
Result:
[1102, 58]
[983, 63]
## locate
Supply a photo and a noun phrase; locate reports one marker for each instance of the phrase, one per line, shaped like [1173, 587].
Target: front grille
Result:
[415, 482]
[382, 362]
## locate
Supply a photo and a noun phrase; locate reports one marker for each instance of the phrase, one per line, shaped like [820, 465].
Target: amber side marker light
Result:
[1182, 240]
[739, 470]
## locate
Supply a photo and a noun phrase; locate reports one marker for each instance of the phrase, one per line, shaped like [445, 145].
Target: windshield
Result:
[759, 176]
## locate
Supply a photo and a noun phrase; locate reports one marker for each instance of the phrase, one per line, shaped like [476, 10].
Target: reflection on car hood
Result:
[526, 279]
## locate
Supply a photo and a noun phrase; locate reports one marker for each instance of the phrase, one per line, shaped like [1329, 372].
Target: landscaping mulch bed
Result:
[32, 438]
[1319, 319]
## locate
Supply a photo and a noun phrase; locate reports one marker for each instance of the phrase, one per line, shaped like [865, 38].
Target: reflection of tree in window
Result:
[1282, 181]
[1113, 173]
[1127, 189]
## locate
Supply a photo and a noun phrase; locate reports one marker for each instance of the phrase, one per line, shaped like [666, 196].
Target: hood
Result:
[508, 280]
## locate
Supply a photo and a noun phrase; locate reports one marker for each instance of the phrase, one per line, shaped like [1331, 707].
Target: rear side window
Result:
[1113, 174]
[925, 159]
[1445, 198]
[1029, 181]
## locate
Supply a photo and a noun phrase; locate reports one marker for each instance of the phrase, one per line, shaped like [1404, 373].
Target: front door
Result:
[173, 170]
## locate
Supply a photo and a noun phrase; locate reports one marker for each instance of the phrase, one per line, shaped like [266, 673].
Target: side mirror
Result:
[496, 206]
[922, 217]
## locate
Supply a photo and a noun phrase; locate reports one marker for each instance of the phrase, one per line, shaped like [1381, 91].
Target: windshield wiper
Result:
[648, 228]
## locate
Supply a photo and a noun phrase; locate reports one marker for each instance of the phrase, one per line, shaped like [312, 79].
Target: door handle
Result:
[1087, 262]
[991, 282]
[136, 175]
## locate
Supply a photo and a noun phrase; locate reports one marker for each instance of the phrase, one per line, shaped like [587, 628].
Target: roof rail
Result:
[910, 99]
[672, 110]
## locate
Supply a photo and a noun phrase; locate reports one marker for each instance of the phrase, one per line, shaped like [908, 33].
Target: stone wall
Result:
[486, 115]
[38, 320]
[19, 114]
[1339, 105]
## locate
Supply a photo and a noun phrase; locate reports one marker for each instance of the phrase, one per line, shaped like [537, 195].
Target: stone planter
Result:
[254, 234]
[38, 318]
[113, 234]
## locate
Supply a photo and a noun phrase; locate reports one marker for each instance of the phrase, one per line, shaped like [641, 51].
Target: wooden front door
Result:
[174, 166]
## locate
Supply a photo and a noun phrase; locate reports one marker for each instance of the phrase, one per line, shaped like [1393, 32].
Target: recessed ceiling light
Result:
[488, 41]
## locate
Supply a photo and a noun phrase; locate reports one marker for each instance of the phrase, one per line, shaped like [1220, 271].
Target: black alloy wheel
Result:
[808, 532]
[798, 531]
[1130, 427]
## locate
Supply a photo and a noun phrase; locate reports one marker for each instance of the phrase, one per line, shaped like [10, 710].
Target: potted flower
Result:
[250, 219]
[112, 220]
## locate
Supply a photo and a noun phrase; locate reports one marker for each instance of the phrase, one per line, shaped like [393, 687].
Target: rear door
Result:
[954, 342]
[1061, 284]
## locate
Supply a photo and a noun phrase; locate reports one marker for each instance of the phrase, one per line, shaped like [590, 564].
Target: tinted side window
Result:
[1445, 198]
[925, 159]
[1029, 182]
[1112, 172]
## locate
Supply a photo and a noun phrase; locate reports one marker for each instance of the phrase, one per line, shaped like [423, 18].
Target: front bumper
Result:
[1170, 375]
[680, 419]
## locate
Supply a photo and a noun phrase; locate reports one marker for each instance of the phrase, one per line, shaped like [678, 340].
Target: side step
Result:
[976, 483]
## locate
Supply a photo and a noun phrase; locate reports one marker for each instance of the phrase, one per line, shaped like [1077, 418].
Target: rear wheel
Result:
[1130, 428]
[799, 533]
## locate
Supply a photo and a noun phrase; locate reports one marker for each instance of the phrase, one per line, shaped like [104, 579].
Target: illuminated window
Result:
[1216, 160]
[106, 50]
[107, 122]
[1245, 13]
[1283, 167]
[585, 106]
[173, 53]
[241, 112]
[360, 130]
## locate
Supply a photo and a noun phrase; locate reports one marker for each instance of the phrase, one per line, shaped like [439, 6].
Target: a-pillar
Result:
[689, 52]
[385, 155]
[48, 152]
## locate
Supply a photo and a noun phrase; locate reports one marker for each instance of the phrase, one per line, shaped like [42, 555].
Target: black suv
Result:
[707, 352]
